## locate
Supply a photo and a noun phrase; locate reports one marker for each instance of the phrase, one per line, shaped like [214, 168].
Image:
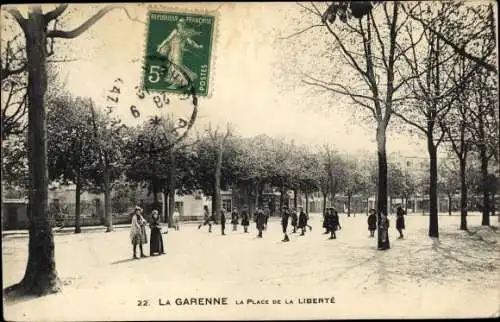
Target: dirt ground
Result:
[457, 276]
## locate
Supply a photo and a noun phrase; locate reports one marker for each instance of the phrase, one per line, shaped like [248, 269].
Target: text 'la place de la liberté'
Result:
[201, 301]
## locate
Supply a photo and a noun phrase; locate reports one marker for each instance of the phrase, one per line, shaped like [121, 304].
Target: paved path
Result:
[456, 276]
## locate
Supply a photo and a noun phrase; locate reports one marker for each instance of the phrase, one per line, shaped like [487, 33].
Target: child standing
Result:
[400, 221]
[372, 222]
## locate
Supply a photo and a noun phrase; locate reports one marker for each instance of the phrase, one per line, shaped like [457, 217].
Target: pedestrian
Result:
[176, 218]
[267, 213]
[333, 223]
[284, 222]
[245, 220]
[302, 221]
[326, 214]
[222, 221]
[400, 221]
[260, 219]
[234, 219]
[383, 228]
[207, 219]
[295, 219]
[138, 232]
[372, 221]
[155, 240]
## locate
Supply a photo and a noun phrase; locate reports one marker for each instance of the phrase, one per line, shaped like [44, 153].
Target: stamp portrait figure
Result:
[173, 47]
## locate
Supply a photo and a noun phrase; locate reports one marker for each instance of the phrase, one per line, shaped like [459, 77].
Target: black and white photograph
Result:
[250, 160]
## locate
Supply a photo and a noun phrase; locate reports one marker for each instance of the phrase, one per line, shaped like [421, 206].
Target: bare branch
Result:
[82, 28]
[309, 9]
[353, 61]
[412, 123]
[299, 32]
[54, 14]
[460, 50]
[19, 18]
[353, 97]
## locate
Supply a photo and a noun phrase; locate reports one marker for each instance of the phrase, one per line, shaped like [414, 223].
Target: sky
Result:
[251, 83]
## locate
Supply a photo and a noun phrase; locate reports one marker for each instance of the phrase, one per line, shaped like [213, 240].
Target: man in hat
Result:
[260, 219]
[234, 218]
[284, 222]
[222, 221]
[245, 219]
[267, 213]
[206, 219]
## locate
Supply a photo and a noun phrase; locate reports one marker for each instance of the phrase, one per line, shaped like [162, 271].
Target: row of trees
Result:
[88, 148]
[429, 65]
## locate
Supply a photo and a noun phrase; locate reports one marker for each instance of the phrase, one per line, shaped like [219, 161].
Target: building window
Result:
[226, 205]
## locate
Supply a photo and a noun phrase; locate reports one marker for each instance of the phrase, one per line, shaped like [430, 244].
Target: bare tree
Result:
[41, 275]
[219, 139]
[368, 43]
[482, 125]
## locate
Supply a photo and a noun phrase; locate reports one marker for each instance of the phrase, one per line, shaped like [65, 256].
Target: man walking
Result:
[284, 222]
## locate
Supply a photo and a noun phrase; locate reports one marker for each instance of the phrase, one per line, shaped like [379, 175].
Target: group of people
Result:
[384, 223]
[299, 220]
[331, 222]
[139, 237]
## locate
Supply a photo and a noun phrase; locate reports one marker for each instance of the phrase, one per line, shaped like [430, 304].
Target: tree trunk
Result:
[40, 276]
[156, 201]
[77, 205]
[257, 194]
[171, 188]
[449, 204]
[406, 203]
[484, 178]
[382, 183]
[218, 171]
[107, 200]
[324, 202]
[165, 201]
[463, 195]
[307, 202]
[171, 208]
[295, 196]
[282, 198]
[349, 205]
[433, 201]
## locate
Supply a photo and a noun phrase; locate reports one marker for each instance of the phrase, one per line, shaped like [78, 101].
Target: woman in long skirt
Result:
[156, 240]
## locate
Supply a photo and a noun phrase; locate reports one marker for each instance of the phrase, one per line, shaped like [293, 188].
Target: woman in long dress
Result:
[173, 47]
[156, 240]
[138, 231]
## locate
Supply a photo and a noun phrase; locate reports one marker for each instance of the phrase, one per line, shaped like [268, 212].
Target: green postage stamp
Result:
[178, 52]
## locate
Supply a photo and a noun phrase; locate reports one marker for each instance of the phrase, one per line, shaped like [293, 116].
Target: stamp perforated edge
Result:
[215, 39]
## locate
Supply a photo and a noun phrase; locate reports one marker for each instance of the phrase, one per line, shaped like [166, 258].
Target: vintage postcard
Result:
[250, 161]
